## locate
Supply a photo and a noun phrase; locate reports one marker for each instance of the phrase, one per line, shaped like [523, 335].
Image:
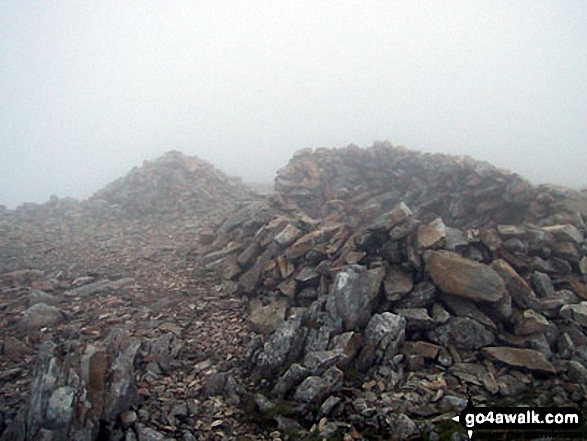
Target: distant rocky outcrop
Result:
[172, 185]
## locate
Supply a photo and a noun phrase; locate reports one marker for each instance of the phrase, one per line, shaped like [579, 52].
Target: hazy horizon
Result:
[89, 91]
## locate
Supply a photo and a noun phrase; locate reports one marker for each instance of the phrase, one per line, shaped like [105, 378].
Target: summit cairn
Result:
[172, 185]
[406, 281]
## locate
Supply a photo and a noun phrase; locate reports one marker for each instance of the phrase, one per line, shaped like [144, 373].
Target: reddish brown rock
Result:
[464, 277]
[524, 358]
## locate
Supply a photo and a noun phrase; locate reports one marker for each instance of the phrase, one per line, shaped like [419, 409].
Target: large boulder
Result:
[463, 277]
[354, 295]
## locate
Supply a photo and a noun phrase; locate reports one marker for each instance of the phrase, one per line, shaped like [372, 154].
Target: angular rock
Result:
[318, 361]
[422, 296]
[397, 283]
[354, 295]
[315, 389]
[285, 344]
[385, 333]
[577, 313]
[294, 375]
[385, 222]
[288, 235]
[466, 308]
[464, 277]
[542, 284]
[427, 350]
[530, 322]
[565, 232]
[266, 319]
[249, 255]
[416, 318]
[431, 234]
[464, 333]
[516, 287]
[524, 358]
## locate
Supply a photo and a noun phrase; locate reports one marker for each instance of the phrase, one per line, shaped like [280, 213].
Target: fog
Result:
[90, 89]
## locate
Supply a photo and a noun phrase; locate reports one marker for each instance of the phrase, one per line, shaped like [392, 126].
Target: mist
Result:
[90, 89]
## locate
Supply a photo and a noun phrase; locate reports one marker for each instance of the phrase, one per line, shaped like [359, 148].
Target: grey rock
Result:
[316, 389]
[101, 285]
[399, 214]
[403, 427]
[576, 372]
[397, 283]
[565, 232]
[417, 319]
[60, 408]
[38, 296]
[466, 308]
[542, 284]
[385, 333]
[464, 333]
[422, 296]
[354, 295]
[451, 403]
[39, 316]
[318, 361]
[294, 375]
[286, 343]
[288, 235]
[577, 313]
[330, 405]
[439, 314]
[148, 434]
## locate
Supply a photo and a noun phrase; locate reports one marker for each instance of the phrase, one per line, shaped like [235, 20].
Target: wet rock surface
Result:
[369, 297]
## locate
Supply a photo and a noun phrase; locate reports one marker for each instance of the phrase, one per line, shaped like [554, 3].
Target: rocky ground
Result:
[368, 297]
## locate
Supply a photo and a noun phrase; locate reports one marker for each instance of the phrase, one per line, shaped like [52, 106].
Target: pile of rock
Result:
[356, 184]
[399, 317]
[173, 184]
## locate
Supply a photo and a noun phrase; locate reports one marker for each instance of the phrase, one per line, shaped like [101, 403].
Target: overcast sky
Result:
[89, 89]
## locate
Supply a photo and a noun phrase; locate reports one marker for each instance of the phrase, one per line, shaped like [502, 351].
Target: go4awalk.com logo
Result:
[555, 421]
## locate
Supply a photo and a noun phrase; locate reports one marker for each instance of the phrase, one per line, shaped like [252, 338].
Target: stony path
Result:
[165, 296]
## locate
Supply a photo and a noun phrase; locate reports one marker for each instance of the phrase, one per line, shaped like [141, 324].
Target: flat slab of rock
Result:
[463, 277]
[565, 232]
[524, 358]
